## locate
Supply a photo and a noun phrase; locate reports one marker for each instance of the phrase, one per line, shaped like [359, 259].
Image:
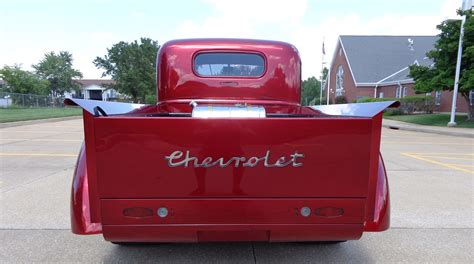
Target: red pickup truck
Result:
[229, 154]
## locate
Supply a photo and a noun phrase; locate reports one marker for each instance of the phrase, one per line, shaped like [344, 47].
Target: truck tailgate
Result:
[130, 157]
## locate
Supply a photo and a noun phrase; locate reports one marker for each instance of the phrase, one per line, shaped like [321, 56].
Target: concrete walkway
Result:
[450, 131]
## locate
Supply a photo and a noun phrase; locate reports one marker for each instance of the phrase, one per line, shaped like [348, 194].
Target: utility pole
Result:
[466, 4]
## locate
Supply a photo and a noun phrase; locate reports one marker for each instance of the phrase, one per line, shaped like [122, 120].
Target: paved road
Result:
[431, 181]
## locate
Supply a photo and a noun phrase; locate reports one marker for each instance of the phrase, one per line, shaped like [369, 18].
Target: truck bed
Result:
[219, 177]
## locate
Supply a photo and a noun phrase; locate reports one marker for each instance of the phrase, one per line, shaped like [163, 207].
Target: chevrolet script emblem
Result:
[178, 158]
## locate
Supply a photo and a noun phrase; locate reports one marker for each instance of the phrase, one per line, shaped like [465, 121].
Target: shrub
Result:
[408, 104]
[341, 100]
[392, 112]
[369, 100]
[411, 104]
[150, 99]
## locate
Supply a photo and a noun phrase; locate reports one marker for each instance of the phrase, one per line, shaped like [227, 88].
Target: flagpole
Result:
[322, 75]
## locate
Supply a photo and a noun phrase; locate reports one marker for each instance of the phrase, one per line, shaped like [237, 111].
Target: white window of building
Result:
[381, 95]
[471, 97]
[340, 81]
[438, 98]
[401, 92]
[340, 52]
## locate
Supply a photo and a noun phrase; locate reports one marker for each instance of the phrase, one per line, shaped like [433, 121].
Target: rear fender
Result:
[378, 200]
[380, 221]
[81, 223]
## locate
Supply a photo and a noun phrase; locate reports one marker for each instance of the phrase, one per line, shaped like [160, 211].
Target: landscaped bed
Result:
[433, 119]
[23, 114]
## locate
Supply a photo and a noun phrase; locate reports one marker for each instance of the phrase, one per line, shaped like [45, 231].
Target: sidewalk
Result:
[450, 131]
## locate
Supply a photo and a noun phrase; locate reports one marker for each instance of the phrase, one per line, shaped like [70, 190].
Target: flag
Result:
[324, 51]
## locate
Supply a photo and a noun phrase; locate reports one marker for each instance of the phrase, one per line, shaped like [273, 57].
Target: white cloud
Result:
[214, 27]
[262, 11]
[283, 21]
[448, 10]
[137, 14]
[244, 18]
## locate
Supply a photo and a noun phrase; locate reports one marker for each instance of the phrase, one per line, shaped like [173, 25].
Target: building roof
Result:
[385, 59]
[98, 82]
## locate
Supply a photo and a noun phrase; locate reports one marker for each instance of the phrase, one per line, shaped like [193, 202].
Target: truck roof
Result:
[179, 77]
[227, 42]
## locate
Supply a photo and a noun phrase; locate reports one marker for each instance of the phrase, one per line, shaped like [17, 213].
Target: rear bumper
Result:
[206, 233]
[232, 219]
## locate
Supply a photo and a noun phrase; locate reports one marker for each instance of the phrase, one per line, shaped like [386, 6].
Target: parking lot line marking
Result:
[36, 131]
[411, 137]
[42, 140]
[411, 155]
[37, 154]
[440, 153]
[58, 126]
[442, 157]
[461, 165]
[425, 143]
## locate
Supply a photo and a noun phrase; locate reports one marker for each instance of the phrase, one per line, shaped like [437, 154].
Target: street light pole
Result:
[452, 123]
[466, 5]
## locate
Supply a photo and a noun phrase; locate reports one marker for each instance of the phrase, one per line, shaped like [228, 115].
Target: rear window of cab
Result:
[229, 64]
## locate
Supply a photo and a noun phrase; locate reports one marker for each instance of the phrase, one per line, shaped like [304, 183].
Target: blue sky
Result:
[28, 28]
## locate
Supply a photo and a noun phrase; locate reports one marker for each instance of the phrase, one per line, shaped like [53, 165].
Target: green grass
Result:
[23, 114]
[433, 120]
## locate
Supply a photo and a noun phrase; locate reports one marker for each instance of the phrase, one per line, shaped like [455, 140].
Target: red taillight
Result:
[137, 212]
[329, 211]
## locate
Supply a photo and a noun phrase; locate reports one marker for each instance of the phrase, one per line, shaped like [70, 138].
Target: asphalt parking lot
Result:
[431, 184]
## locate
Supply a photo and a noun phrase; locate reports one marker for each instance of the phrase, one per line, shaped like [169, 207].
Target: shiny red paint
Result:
[380, 220]
[81, 223]
[120, 153]
[176, 79]
[125, 166]
[232, 232]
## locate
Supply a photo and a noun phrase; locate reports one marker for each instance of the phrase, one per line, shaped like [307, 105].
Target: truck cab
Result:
[230, 72]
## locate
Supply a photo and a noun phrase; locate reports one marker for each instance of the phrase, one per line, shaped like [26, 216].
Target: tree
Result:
[25, 82]
[57, 69]
[310, 91]
[132, 66]
[440, 76]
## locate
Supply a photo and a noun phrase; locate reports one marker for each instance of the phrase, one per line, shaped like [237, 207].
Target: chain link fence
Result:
[9, 100]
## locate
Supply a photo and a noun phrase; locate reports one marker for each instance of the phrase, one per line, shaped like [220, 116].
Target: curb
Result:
[429, 130]
[38, 121]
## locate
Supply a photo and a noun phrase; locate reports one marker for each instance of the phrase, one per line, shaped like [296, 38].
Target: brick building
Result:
[377, 66]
